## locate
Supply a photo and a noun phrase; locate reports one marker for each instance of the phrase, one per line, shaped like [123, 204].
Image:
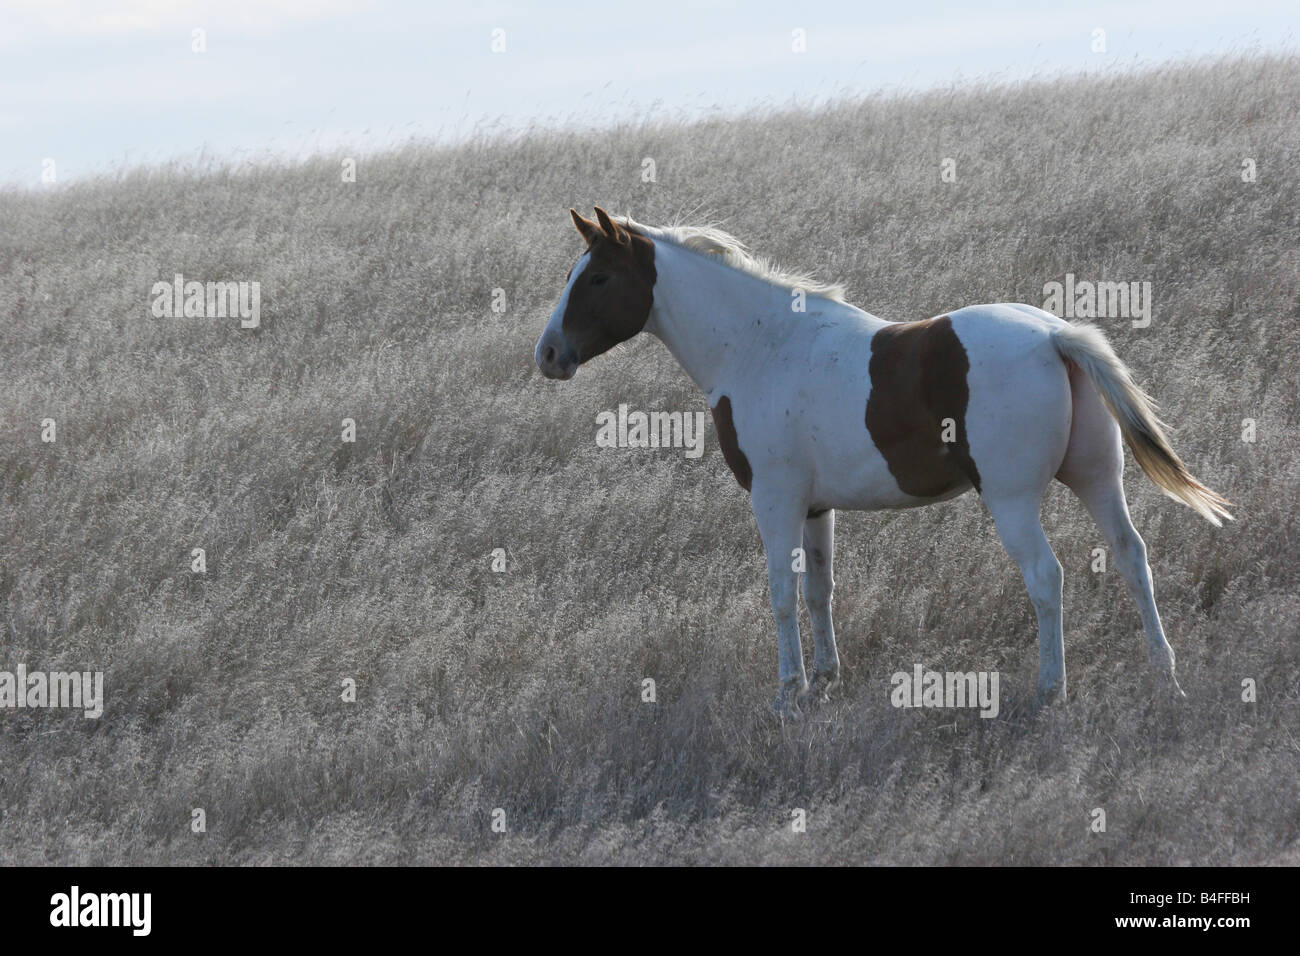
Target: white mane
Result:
[711, 241]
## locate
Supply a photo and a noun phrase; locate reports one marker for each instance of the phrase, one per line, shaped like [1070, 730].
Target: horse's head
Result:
[606, 299]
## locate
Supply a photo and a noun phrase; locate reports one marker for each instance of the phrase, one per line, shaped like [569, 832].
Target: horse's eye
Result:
[599, 279]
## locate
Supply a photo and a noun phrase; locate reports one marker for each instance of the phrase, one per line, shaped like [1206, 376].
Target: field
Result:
[521, 690]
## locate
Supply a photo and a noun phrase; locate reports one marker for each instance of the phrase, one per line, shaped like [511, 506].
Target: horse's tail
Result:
[1135, 411]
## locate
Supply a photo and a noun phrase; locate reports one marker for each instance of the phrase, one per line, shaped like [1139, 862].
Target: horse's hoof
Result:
[821, 685]
[784, 710]
[1172, 689]
[1162, 666]
[788, 697]
[1047, 696]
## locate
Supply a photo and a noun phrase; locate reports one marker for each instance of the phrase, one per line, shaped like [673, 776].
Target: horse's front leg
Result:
[818, 586]
[780, 517]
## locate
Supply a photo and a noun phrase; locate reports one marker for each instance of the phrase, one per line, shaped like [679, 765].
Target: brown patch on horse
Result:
[918, 380]
[730, 444]
[610, 301]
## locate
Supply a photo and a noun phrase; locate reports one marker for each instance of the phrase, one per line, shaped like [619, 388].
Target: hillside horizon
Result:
[200, 161]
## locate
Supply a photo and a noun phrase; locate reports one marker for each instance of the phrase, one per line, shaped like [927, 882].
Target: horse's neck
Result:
[718, 322]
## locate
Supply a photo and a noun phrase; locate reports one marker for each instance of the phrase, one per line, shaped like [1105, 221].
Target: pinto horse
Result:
[833, 408]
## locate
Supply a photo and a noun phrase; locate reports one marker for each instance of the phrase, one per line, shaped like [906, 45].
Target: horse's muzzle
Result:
[555, 358]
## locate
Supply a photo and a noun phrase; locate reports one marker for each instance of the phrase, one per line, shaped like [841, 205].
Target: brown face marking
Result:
[611, 299]
[918, 379]
[730, 444]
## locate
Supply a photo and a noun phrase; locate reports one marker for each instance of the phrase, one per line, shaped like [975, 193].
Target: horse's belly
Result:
[868, 485]
[850, 469]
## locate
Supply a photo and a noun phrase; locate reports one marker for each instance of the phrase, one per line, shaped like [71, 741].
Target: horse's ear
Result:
[611, 228]
[589, 230]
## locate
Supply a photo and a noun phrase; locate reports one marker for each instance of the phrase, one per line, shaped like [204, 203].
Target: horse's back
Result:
[1006, 325]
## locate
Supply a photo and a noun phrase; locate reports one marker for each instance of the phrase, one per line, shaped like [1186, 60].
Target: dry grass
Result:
[521, 690]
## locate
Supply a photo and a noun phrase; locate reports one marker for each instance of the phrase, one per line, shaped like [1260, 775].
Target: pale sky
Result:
[95, 86]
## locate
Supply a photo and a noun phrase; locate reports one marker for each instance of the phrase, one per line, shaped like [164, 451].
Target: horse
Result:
[820, 406]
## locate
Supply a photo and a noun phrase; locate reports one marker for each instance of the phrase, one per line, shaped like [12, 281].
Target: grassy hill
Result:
[372, 561]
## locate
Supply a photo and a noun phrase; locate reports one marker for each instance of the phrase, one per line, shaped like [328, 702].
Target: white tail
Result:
[1135, 411]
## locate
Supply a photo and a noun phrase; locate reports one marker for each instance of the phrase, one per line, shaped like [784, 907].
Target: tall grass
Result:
[522, 690]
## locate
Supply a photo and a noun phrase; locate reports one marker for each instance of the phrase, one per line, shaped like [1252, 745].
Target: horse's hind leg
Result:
[1018, 425]
[1022, 535]
[818, 586]
[1105, 502]
[1094, 470]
